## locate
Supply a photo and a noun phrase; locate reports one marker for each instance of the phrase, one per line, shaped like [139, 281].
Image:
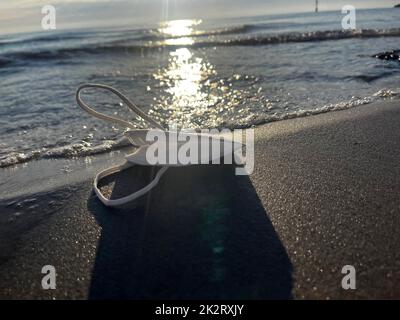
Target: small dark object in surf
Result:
[397, 5]
[393, 55]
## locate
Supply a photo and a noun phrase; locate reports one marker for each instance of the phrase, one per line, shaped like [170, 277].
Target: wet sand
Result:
[325, 193]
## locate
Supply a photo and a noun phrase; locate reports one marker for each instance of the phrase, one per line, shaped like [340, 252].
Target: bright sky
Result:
[25, 15]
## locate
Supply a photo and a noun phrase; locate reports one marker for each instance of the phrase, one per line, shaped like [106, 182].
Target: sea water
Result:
[227, 73]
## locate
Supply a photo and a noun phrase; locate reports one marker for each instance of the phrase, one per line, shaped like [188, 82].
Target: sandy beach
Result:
[324, 194]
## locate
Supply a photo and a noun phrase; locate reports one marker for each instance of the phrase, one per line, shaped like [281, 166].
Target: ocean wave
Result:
[369, 78]
[313, 36]
[36, 39]
[125, 46]
[70, 151]
[128, 34]
[48, 55]
[148, 40]
[215, 32]
[86, 149]
[5, 62]
[257, 119]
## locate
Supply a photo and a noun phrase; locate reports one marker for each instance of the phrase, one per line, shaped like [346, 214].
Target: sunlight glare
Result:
[179, 28]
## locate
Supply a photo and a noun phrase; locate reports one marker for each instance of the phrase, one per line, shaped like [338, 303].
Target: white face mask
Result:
[138, 138]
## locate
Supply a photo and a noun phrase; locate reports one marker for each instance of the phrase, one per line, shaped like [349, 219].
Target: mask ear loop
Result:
[131, 197]
[112, 170]
[108, 118]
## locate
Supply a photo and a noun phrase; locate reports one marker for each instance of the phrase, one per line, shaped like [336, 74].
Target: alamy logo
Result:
[49, 280]
[49, 19]
[188, 147]
[349, 20]
[349, 280]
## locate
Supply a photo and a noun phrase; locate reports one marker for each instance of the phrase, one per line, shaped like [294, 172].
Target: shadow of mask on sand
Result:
[202, 233]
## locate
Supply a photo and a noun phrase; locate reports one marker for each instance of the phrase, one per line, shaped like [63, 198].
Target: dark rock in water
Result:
[393, 55]
[397, 5]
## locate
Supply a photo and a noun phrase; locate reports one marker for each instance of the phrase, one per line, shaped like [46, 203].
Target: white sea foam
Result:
[69, 151]
[85, 149]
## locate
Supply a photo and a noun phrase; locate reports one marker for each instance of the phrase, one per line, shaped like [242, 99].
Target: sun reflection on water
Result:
[179, 28]
[186, 82]
[178, 32]
[186, 74]
[184, 41]
[192, 93]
